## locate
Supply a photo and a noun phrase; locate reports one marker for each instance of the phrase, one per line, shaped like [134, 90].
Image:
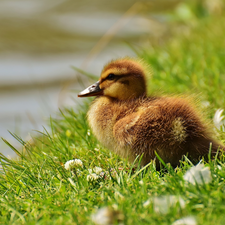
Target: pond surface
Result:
[41, 41]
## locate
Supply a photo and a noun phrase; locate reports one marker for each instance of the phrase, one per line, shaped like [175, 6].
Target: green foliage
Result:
[192, 61]
[37, 189]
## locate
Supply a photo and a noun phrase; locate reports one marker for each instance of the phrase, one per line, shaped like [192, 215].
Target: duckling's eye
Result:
[111, 76]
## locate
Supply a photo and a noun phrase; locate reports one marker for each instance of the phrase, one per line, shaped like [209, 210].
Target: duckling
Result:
[128, 121]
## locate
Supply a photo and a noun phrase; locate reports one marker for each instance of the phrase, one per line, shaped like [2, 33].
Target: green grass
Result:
[37, 189]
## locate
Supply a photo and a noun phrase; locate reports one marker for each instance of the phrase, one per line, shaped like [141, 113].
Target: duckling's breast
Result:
[102, 116]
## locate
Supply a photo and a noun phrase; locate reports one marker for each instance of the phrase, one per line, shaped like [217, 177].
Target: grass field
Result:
[36, 188]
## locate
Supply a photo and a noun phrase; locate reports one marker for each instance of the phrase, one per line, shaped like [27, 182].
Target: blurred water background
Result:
[41, 40]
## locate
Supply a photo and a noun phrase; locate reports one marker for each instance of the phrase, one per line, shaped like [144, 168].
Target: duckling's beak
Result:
[93, 90]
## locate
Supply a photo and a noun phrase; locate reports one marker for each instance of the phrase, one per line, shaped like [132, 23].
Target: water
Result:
[40, 41]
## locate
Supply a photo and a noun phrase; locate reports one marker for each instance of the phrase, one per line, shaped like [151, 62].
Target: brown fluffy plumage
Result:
[128, 122]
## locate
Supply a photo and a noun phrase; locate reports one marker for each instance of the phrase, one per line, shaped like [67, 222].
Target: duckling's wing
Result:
[135, 127]
[125, 129]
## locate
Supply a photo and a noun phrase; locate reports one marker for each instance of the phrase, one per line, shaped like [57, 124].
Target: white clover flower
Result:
[102, 216]
[198, 175]
[107, 216]
[74, 163]
[97, 170]
[218, 119]
[92, 177]
[162, 204]
[185, 221]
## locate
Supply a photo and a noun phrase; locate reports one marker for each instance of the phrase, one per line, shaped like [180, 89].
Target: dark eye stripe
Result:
[116, 77]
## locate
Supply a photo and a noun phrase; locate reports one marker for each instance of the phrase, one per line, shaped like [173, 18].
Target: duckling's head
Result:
[121, 79]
